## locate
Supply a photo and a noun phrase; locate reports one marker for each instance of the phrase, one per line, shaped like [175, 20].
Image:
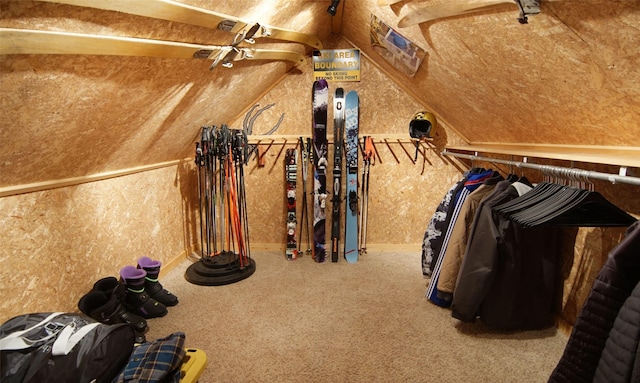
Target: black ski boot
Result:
[104, 304]
[151, 284]
[137, 299]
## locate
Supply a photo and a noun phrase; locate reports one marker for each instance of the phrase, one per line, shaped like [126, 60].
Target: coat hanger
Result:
[594, 210]
[556, 195]
[565, 205]
[567, 196]
[545, 189]
[536, 195]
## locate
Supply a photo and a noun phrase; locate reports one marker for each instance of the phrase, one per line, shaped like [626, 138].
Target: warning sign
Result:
[336, 64]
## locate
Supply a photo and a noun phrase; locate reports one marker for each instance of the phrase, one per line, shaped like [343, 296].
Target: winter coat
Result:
[473, 182]
[438, 224]
[613, 285]
[508, 275]
[620, 354]
[459, 236]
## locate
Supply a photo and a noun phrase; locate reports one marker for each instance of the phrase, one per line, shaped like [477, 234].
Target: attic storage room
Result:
[108, 175]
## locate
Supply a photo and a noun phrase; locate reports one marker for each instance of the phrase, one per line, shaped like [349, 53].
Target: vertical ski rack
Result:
[224, 230]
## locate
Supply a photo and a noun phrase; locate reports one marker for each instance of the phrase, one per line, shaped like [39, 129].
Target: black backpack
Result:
[62, 347]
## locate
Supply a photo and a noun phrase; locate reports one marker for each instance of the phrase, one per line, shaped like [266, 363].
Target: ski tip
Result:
[320, 84]
[352, 95]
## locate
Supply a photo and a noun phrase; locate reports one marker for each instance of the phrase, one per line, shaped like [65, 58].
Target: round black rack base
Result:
[218, 270]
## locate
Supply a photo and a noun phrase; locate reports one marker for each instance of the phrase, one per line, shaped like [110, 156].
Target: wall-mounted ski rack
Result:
[266, 142]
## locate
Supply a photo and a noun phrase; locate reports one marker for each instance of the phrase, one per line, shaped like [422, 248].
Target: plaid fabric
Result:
[156, 361]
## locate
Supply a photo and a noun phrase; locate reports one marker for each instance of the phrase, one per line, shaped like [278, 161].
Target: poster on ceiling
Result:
[336, 64]
[399, 51]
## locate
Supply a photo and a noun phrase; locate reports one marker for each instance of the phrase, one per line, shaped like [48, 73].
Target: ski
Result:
[291, 172]
[26, 41]
[351, 211]
[320, 105]
[338, 132]
[424, 14]
[187, 14]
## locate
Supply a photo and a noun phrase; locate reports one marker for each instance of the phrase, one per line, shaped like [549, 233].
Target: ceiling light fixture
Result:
[333, 8]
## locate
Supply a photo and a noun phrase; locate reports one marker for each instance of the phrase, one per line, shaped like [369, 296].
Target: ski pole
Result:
[368, 154]
[306, 206]
[198, 161]
[362, 193]
[304, 191]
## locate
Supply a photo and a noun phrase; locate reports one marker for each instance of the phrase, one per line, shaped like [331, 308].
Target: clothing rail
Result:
[557, 170]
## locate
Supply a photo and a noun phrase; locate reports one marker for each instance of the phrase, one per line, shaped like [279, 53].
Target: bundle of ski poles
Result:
[221, 156]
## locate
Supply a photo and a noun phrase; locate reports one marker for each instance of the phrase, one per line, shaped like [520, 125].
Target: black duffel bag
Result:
[62, 347]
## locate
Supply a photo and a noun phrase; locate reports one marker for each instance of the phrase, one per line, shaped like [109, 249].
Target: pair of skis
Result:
[291, 172]
[24, 41]
[418, 15]
[346, 108]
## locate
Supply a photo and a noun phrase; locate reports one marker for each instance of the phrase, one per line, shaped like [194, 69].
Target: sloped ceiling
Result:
[568, 77]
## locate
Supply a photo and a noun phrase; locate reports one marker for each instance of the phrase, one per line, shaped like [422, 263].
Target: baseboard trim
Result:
[280, 247]
[375, 247]
[174, 262]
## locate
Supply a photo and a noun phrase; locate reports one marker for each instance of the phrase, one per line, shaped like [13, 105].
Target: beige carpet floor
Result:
[298, 321]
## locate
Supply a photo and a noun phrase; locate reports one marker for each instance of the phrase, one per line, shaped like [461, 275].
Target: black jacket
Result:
[613, 285]
[617, 364]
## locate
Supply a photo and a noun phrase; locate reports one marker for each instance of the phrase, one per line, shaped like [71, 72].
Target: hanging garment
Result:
[619, 356]
[479, 264]
[473, 182]
[459, 236]
[438, 224]
[613, 285]
[508, 274]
